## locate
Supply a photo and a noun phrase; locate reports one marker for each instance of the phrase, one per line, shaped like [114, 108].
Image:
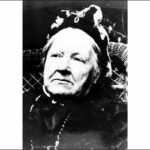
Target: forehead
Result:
[73, 41]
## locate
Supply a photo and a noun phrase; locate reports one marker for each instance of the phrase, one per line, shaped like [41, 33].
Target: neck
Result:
[67, 100]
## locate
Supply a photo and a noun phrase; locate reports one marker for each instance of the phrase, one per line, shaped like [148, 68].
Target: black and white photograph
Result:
[75, 75]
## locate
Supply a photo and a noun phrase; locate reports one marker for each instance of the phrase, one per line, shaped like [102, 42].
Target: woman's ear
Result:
[43, 59]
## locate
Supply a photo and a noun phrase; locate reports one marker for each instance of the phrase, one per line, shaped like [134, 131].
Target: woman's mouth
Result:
[62, 81]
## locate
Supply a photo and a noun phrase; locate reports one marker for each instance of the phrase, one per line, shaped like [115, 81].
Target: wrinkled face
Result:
[71, 64]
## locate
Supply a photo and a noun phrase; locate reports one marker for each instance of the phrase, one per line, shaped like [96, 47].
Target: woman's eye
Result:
[79, 59]
[55, 55]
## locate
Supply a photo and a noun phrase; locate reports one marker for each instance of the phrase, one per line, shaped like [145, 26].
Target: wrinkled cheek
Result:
[87, 82]
[81, 80]
[48, 71]
[85, 74]
[45, 78]
[81, 77]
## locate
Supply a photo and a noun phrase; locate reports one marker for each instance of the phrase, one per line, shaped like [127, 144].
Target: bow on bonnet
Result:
[97, 18]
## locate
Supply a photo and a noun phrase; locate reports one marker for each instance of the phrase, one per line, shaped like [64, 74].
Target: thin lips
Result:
[62, 80]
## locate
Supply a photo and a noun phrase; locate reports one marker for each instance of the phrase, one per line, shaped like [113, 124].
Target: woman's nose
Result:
[64, 65]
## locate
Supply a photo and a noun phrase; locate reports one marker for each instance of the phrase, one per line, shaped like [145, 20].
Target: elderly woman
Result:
[78, 109]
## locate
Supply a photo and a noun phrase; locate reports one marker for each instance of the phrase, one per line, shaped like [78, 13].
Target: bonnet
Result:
[89, 21]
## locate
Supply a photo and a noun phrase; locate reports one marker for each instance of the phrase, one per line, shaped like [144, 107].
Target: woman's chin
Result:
[61, 91]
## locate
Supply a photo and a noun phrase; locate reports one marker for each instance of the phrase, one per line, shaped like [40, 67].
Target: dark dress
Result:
[86, 125]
